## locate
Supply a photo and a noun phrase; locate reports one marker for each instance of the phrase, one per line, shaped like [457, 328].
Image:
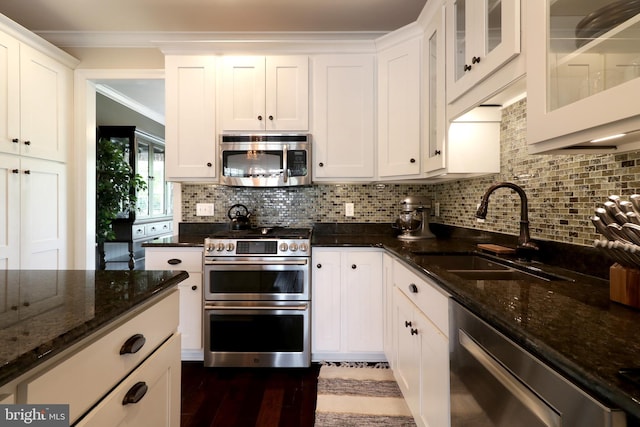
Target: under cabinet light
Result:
[607, 138]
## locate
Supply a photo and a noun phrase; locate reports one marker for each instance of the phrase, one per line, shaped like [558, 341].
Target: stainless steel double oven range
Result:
[257, 298]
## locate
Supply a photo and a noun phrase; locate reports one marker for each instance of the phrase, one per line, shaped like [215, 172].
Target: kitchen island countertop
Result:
[49, 311]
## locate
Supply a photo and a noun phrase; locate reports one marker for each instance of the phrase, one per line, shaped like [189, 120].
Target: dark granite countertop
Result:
[571, 325]
[49, 311]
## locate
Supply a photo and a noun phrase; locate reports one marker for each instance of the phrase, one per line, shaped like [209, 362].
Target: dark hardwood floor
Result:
[235, 397]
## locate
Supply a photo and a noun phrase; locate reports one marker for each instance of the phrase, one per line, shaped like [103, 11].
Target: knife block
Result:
[624, 285]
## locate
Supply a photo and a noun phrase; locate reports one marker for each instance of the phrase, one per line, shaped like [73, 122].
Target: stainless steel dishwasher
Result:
[495, 382]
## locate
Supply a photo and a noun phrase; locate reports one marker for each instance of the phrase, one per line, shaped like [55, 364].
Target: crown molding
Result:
[213, 42]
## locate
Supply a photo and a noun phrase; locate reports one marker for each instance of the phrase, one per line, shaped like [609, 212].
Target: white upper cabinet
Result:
[583, 76]
[343, 117]
[36, 94]
[434, 121]
[265, 93]
[399, 109]
[482, 35]
[190, 134]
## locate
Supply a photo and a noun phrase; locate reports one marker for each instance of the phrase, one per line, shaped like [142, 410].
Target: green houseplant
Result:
[116, 187]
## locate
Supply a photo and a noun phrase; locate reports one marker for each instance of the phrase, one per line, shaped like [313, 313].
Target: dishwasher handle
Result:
[529, 399]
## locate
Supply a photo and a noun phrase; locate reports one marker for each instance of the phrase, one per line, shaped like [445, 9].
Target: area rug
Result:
[360, 395]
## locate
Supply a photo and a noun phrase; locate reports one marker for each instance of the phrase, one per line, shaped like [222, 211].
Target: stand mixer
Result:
[414, 219]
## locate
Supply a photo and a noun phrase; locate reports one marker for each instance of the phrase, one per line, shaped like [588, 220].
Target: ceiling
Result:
[211, 15]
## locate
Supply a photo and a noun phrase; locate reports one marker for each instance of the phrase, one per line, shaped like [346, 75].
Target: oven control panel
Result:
[258, 247]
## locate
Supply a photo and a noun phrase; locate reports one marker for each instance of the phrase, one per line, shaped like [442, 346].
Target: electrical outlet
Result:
[204, 209]
[348, 209]
[436, 208]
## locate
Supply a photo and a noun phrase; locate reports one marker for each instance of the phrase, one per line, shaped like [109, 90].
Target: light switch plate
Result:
[204, 209]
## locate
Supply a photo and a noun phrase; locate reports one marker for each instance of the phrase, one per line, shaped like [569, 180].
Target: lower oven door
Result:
[257, 334]
[255, 278]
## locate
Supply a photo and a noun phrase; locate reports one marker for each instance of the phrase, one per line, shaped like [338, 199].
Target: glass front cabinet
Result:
[583, 66]
[482, 35]
[152, 216]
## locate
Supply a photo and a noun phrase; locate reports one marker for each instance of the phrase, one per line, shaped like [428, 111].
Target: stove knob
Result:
[293, 247]
[230, 247]
[283, 247]
[304, 247]
[220, 247]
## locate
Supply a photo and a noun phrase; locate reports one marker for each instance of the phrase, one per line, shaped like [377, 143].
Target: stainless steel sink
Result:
[471, 266]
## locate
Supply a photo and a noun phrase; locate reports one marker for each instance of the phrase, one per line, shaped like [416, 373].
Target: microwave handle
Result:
[284, 164]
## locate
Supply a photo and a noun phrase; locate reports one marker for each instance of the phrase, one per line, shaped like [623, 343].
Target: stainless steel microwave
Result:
[265, 160]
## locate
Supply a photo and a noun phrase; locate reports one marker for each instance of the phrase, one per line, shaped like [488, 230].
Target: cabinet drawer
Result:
[82, 379]
[173, 259]
[138, 232]
[425, 296]
[158, 228]
[159, 406]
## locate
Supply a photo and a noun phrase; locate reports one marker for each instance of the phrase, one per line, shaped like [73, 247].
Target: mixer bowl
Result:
[409, 221]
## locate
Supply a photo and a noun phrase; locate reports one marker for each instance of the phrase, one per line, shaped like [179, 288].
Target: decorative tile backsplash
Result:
[562, 190]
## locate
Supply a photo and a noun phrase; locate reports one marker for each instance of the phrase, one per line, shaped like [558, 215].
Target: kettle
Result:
[239, 216]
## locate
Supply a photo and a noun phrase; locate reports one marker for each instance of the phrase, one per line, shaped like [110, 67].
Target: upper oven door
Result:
[254, 278]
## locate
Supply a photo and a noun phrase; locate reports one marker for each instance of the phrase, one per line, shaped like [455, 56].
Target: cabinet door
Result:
[433, 60]
[190, 132]
[362, 302]
[579, 78]
[243, 93]
[9, 94]
[407, 370]
[9, 212]
[343, 114]
[46, 91]
[481, 37]
[287, 93]
[158, 406]
[388, 303]
[399, 110]
[43, 222]
[434, 373]
[191, 312]
[326, 301]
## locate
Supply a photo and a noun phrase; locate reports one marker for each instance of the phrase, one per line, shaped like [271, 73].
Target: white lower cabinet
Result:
[188, 259]
[143, 349]
[150, 396]
[421, 350]
[347, 312]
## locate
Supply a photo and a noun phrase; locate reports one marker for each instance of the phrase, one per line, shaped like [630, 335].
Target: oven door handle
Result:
[214, 306]
[236, 262]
